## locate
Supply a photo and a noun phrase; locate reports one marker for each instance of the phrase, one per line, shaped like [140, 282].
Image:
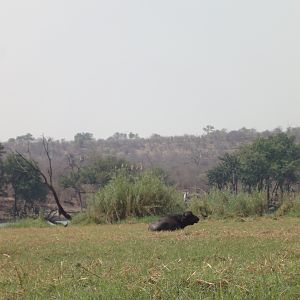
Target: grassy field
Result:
[230, 259]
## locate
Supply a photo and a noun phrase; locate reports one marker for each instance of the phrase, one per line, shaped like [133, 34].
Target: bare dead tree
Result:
[48, 179]
[76, 169]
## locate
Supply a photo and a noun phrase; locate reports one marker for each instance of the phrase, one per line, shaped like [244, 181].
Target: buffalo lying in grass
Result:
[174, 222]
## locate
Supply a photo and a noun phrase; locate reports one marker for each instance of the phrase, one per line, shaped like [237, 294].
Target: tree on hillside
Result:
[208, 129]
[217, 177]
[81, 139]
[226, 173]
[25, 138]
[268, 164]
[97, 174]
[232, 166]
[272, 164]
[25, 181]
[100, 171]
[47, 177]
[73, 179]
[132, 135]
[119, 136]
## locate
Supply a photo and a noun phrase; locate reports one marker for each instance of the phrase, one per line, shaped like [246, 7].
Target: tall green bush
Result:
[133, 196]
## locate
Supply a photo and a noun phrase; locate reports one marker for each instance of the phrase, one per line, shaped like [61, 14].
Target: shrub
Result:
[127, 196]
[222, 204]
[245, 204]
[290, 206]
[153, 197]
[82, 218]
[199, 206]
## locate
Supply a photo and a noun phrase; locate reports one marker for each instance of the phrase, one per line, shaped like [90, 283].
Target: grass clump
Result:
[133, 197]
[82, 218]
[290, 206]
[224, 204]
[28, 222]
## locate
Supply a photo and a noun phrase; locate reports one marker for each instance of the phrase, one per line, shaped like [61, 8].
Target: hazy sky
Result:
[159, 66]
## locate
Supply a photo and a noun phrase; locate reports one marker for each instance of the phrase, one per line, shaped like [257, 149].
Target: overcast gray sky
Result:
[159, 66]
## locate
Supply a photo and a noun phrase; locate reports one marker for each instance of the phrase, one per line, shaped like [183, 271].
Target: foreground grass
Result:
[255, 259]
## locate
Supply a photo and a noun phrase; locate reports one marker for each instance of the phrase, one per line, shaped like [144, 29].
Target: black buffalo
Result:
[174, 222]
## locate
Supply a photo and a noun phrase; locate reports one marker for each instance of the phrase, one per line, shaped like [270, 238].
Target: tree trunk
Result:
[15, 208]
[268, 194]
[61, 210]
[234, 183]
[48, 183]
[80, 199]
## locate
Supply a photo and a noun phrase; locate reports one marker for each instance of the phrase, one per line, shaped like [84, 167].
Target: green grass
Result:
[215, 259]
[28, 222]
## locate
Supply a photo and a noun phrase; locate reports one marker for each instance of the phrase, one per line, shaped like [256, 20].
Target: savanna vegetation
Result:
[242, 248]
[245, 163]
